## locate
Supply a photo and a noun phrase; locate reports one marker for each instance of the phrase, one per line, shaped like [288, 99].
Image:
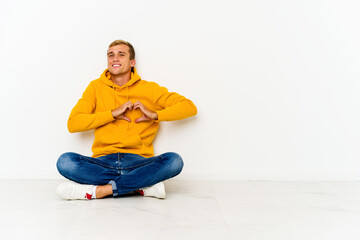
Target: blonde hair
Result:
[131, 48]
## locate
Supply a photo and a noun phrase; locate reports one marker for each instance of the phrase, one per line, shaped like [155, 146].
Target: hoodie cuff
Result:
[108, 117]
[111, 116]
[160, 116]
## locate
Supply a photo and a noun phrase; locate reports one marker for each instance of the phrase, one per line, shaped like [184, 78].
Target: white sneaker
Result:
[157, 190]
[71, 190]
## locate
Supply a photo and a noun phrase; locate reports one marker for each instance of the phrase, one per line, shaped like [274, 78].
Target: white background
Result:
[276, 83]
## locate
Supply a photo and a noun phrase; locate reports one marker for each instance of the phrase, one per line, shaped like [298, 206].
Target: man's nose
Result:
[116, 58]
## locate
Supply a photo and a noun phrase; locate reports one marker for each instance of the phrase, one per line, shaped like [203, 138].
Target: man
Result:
[125, 112]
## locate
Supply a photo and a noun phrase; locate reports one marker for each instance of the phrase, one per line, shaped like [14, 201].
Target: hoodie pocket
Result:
[133, 141]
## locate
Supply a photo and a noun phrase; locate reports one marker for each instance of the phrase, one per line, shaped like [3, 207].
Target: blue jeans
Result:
[126, 172]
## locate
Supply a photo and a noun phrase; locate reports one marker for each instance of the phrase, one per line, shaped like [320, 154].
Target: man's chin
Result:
[118, 72]
[115, 72]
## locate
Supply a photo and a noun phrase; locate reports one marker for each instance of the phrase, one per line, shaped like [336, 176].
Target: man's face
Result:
[119, 62]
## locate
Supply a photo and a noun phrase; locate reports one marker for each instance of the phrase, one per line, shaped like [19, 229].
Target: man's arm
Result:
[82, 117]
[172, 106]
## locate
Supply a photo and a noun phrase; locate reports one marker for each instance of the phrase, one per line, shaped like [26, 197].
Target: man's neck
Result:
[121, 79]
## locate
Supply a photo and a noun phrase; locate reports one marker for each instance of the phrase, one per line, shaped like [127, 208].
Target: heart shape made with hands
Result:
[147, 115]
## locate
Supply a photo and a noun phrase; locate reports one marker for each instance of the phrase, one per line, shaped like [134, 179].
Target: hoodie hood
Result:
[106, 78]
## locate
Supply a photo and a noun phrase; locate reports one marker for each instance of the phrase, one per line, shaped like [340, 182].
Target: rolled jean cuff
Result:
[113, 184]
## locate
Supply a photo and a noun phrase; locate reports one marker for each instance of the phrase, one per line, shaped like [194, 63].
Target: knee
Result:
[176, 163]
[66, 163]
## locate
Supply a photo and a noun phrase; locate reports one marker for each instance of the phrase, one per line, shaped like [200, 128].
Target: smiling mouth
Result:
[116, 65]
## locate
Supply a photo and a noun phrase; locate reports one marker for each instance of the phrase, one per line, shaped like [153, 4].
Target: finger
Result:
[125, 106]
[137, 105]
[130, 105]
[141, 106]
[140, 119]
[123, 117]
[143, 118]
[126, 119]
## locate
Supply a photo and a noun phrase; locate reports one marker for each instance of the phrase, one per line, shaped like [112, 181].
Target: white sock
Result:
[94, 193]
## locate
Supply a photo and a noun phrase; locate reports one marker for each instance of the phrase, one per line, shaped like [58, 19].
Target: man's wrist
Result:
[155, 116]
[113, 113]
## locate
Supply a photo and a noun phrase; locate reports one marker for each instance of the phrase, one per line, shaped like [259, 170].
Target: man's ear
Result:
[132, 63]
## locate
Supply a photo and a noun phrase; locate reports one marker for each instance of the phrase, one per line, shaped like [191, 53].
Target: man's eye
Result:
[122, 55]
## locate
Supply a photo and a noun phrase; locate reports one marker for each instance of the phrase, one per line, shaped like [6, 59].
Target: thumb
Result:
[125, 118]
[143, 118]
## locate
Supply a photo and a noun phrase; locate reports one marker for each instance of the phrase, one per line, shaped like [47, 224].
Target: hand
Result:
[148, 115]
[119, 113]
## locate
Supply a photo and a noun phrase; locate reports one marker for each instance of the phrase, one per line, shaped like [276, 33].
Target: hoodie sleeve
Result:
[82, 117]
[172, 106]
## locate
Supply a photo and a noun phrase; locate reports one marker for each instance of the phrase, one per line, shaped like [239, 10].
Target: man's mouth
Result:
[116, 65]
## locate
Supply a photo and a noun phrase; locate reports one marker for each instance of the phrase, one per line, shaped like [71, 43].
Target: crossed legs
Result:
[119, 173]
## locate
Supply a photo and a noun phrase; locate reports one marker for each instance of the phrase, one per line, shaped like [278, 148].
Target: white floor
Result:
[30, 209]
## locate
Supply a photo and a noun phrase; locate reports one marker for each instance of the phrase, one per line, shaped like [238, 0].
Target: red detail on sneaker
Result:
[140, 191]
[88, 196]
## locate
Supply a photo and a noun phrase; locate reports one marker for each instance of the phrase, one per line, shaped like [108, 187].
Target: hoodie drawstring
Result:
[107, 76]
[127, 97]
[114, 95]
[127, 92]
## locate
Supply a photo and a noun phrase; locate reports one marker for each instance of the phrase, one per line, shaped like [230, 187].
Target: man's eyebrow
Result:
[118, 51]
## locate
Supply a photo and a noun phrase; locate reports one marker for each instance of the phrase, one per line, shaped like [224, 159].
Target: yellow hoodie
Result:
[93, 111]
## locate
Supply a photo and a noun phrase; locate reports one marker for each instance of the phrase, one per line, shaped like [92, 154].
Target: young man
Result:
[125, 112]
